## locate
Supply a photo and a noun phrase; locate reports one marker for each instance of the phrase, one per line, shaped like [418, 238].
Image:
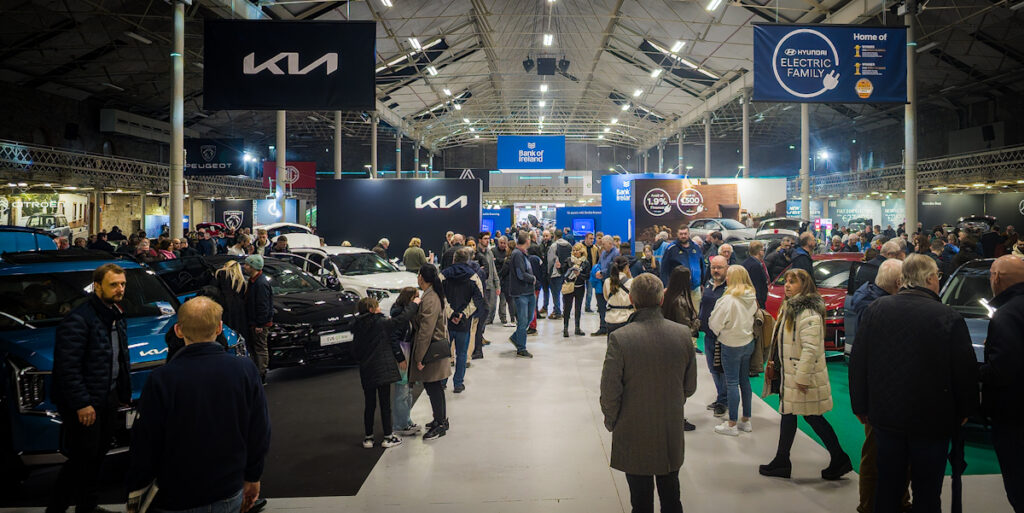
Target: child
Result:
[401, 344]
[371, 346]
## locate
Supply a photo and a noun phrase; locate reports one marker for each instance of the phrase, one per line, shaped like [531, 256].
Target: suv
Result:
[299, 236]
[359, 270]
[14, 239]
[37, 289]
[55, 224]
[782, 226]
[731, 229]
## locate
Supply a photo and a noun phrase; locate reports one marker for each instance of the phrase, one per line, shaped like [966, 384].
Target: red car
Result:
[831, 275]
[213, 228]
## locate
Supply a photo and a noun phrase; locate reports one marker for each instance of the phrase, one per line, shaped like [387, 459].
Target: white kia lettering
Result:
[152, 352]
[441, 202]
[249, 67]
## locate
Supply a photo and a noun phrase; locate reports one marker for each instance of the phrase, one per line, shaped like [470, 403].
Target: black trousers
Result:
[821, 427]
[372, 396]
[641, 493]
[575, 302]
[602, 309]
[85, 448]
[435, 391]
[926, 458]
[1008, 438]
[478, 346]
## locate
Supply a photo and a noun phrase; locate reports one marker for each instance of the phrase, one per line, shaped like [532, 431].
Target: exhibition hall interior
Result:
[516, 256]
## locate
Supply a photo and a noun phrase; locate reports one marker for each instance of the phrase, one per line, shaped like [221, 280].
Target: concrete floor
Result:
[528, 436]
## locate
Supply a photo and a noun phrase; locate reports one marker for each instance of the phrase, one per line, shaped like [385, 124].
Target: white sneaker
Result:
[391, 441]
[510, 325]
[412, 430]
[744, 426]
[368, 442]
[725, 429]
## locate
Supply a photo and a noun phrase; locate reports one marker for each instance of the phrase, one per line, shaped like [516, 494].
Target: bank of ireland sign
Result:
[531, 154]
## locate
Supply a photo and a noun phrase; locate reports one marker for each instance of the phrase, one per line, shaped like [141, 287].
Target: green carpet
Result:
[981, 458]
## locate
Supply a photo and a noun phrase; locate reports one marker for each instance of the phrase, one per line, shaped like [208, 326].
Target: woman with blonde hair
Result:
[414, 257]
[228, 290]
[797, 372]
[574, 287]
[732, 321]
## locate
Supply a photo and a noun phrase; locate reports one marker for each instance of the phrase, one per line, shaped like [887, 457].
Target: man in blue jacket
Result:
[608, 253]
[521, 288]
[259, 309]
[204, 450]
[684, 252]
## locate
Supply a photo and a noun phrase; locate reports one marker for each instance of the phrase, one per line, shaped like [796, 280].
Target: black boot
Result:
[579, 332]
[778, 467]
[839, 466]
[565, 332]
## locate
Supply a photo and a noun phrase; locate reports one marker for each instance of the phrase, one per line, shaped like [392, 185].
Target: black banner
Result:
[364, 211]
[937, 209]
[214, 157]
[288, 65]
[484, 175]
[1008, 209]
[234, 214]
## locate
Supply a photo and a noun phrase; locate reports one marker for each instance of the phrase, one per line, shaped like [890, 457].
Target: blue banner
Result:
[580, 220]
[496, 219]
[830, 63]
[531, 153]
[617, 203]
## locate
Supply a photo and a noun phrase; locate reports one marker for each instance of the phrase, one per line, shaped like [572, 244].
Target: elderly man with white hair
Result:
[726, 250]
[381, 249]
[890, 250]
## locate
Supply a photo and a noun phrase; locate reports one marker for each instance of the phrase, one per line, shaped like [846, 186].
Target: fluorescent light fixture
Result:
[542, 103]
[471, 129]
[708, 73]
[542, 119]
[447, 92]
[625, 106]
[543, 88]
[143, 40]
[657, 73]
[112, 86]
[713, 4]
[312, 118]
[458, 107]
[638, 92]
[1016, 6]
[415, 43]
[600, 136]
[548, 39]
[465, 120]
[606, 130]
[398, 60]
[927, 47]
[432, 70]
[476, 137]
[387, 3]
[615, 120]
[677, 46]
[198, 65]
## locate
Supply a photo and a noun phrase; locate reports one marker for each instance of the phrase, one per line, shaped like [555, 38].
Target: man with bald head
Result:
[709, 297]
[1004, 364]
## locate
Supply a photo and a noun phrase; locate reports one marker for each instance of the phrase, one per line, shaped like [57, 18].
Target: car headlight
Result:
[29, 385]
[291, 333]
[378, 294]
[836, 314]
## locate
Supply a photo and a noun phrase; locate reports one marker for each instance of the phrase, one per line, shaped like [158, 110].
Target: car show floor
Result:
[528, 436]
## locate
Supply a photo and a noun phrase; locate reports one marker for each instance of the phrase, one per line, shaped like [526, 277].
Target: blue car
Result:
[36, 291]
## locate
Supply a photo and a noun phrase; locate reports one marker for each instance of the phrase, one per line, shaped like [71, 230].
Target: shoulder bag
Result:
[438, 349]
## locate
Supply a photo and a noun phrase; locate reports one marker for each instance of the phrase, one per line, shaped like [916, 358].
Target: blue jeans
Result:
[736, 363]
[526, 305]
[401, 405]
[718, 377]
[556, 293]
[230, 505]
[461, 339]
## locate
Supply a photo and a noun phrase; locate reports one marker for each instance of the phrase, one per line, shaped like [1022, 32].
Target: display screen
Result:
[487, 225]
[581, 227]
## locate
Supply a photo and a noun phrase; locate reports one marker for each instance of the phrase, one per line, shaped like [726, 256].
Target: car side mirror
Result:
[332, 282]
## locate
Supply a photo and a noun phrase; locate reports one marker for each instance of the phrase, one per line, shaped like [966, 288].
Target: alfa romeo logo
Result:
[690, 202]
[291, 175]
[208, 152]
[657, 202]
[233, 219]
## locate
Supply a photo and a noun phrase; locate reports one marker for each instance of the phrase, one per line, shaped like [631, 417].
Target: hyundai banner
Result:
[214, 157]
[288, 65]
[531, 153]
[297, 175]
[830, 63]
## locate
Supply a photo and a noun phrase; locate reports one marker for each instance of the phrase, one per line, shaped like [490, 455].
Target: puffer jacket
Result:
[83, 357]
[799, 345]
[371, 347]
[864, 296]
[732, 320]
[259, 301]
[464, 293]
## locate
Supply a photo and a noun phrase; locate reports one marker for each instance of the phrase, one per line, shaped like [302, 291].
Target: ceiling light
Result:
[927, 47]
[312, 118]
[143, 40]
[606, 130]
[548, 39]
[112, 86]
[432, 70]
[713, 4]
[600, 136]
[415, 43]
[708, 73]
[638, 92]
[677, 46]
[198, 65]
[542, 119]
[458, 107]
[1016, 6]
[387, 3]
[471, 129]
[476, 137]
[979, 185]
[447, 92]
[543, 88]
[625, 106]
[657, 73]
[542, 103]
[465, 120]
[615, 120]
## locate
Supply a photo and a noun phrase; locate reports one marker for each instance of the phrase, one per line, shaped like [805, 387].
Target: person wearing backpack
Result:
[574, 287]
[616, 294]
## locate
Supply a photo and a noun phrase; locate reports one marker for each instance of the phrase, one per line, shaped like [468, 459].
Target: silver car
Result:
[731, 229]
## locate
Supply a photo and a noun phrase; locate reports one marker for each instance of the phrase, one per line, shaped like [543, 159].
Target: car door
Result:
[697, 228]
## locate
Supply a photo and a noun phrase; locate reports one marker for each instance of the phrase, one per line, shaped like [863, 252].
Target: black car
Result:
[312, 322]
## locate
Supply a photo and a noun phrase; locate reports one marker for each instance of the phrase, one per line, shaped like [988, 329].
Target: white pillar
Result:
[910, 122]
[430, 167]
[373, 145]
[707, 145]
[282, 161]
[337, 145]
[177, 170]
[805, 158]
[97, 198]
[398, 155]
[661, 157]
[746, 134]
[679, 158]
[416, 159]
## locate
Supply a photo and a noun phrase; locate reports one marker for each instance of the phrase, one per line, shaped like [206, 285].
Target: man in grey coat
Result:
[649, 371]
[483, 248]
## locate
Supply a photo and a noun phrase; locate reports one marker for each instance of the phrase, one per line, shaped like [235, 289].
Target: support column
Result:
[707, 145]
[337, 145]
[177, 157]
[373, 145]
[910, 121]
[661, 157]
[97, 198]
[805, 158]
[416, 159]
[430, 167]
[746, 134]
[192, 212]
[398, 155]
[142, 224]
[282, 162]
[679, 158]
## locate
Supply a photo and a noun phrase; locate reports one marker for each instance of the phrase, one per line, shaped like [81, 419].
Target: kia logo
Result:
[442, 202]
[249, 66]
[152, 352]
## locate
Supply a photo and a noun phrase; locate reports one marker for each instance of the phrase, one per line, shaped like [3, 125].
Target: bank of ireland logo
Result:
[806, 63]
[690, 202]
[531, 146]
[208, 152]
[657, 202]
[233, 219]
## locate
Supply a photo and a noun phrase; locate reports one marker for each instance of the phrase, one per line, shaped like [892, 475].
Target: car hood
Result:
[313, 307]
[747, 232]
[395, 280]
[834, 298]
[302, 240]
[145, 342]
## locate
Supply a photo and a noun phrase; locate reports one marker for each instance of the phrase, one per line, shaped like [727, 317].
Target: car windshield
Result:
[828, 274]
[356, 264]
[42, 221]
[732, 224]
[966, 288]
[286, 278]
[781, 224]
[285, 230]
[183, 275]
[39, 300]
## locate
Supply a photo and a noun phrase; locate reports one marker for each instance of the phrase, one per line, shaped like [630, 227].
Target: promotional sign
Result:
[830, 63]
[894, 212]
[288, 65]
[297, 175]
[938, 209]
[401, 209]
[63, 215]
[531, 153]
[214, 157]
[266, 212]
[158, 224]
[793, 209]
[665, 205]
[500, 218]
[844, 211]
[581, 220]
[235, 214]
[484, 175]
[617, 202]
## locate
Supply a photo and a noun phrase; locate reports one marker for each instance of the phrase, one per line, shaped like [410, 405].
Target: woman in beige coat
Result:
[429, 325]
[798, 350]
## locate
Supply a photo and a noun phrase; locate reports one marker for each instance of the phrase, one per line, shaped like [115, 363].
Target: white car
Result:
[782, 226]
[731, 229]
[359, 270]
[299, 236]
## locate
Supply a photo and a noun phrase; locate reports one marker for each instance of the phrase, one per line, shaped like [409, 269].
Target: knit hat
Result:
[255, 261]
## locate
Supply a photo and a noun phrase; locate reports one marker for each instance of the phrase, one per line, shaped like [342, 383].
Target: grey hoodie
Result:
[553, 256]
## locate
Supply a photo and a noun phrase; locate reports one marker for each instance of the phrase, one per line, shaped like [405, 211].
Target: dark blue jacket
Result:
[259, 301]
[708, 299]
[521, 277]
[802, 260]
[203, 428]
[207, 247]
[758, 278]
[691, 256]
[459, 291]
[83, 357]
[1004, 357]
[864, 296]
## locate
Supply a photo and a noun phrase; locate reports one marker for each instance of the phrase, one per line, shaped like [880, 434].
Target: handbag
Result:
[438, 349]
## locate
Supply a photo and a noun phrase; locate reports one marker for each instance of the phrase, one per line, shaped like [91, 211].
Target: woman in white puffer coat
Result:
[798, 350]
[732, 321]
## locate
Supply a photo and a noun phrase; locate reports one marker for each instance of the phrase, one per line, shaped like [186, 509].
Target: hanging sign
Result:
[830, 63]
[531, 153]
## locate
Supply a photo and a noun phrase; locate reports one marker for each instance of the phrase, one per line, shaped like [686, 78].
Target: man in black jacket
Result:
[754, 264]
[914, 378]
[203, 449]
[801, 256]
[868, 271]
[90, 382]
[101, 243]
[448, 257]
[521, 289]
[778, 260]
[259, 309]
[1004, 364]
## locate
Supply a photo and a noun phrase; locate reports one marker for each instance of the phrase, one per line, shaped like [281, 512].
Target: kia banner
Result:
[288, 65]
[297, 175]
[214, 157]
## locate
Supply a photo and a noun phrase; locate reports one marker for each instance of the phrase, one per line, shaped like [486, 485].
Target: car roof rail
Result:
[61, 255]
